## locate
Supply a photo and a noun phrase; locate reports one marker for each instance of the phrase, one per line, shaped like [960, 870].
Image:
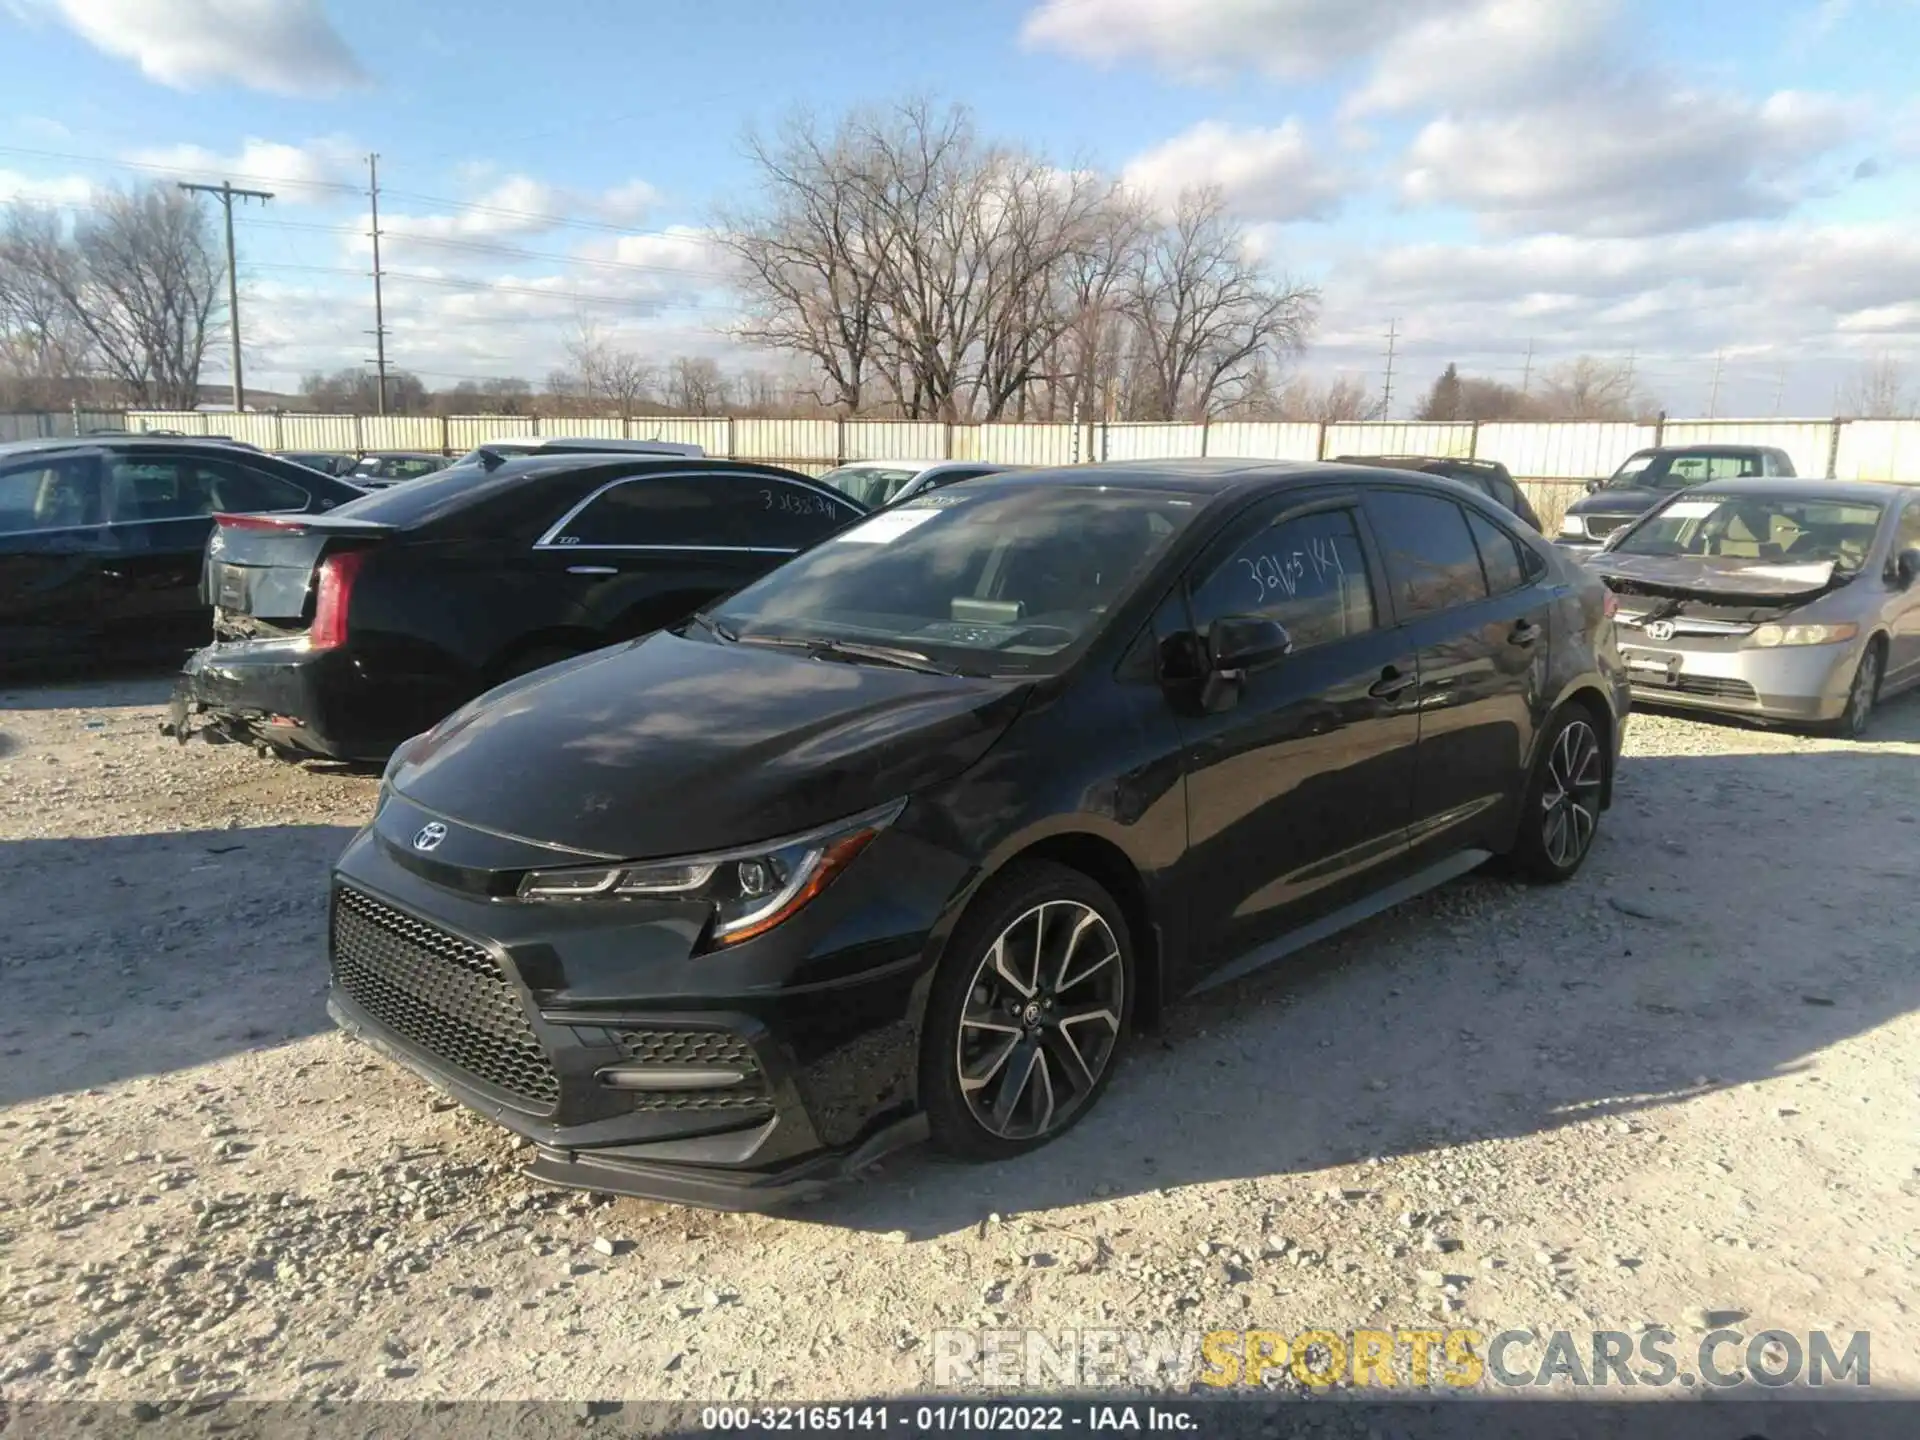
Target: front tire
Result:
[1028, 1012]
[1861, 695]
[1560, 814]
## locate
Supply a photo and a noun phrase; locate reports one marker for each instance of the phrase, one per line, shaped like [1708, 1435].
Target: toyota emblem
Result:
[429, 836]
[1659, 630]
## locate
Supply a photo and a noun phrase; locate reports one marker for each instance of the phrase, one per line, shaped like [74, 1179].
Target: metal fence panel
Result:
[1033, 445]
[401, 432]
[464, 432]
[187, 422]
[1808, 442]
[319, 432]
[894, 440]
[1264, 440]
[1150, 442]
[247, 427]
[1396, 437]
[786, 442]
[710, 433]
[1585, 451]
[585, 427]
[1879, 450]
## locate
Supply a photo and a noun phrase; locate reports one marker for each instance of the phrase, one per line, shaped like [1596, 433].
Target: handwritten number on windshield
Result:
[793, 502]
[1283, 574]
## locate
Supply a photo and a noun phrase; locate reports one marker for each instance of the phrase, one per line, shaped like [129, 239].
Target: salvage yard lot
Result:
[1682, 1084]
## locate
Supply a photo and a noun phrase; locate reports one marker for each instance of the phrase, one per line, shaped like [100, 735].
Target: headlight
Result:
[1572, 525]
[1768, 637]
[750, 890]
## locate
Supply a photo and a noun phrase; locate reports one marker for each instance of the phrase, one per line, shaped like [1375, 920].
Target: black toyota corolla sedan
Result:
[901, 839]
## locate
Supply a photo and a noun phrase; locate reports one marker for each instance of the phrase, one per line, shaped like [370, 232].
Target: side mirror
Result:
[1593, 487]
[1907, 568]
[1237, 644]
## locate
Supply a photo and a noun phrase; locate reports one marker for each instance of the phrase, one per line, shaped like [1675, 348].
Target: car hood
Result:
[673, 745]
[1716, 577]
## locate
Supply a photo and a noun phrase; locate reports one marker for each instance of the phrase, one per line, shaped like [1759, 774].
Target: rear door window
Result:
[238, 489]
[780, 515]
[1432, 561]
[667, 512]
[1499, 555]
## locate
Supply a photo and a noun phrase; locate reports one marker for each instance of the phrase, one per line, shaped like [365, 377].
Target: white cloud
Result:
[519, 206]
[1291, 39]
[288, 47]
[1639, 158]
[1264, 174]
[1491, 54]
[314, 173]
[45, 189]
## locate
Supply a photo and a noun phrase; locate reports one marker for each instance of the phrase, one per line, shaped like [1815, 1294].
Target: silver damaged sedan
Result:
[1784, 599]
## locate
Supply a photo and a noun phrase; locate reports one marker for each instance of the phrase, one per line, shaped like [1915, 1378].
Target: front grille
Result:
[1601, 526]
[682, 1049]
[1709, 686]
[441, 993]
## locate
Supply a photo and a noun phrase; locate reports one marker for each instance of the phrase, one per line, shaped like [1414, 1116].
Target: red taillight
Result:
[335, 591]
[258, 522]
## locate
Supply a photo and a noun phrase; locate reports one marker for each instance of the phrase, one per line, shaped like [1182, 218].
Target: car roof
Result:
[1714, 448]
[1802, 487]
[395, 454]
[1389, 462]
[1199, 477]
[105, 442]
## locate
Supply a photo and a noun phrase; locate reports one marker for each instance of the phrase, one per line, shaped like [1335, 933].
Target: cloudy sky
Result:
[1719, 184]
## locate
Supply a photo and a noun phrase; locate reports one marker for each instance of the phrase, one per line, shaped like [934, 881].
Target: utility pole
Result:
[226, 194]
[1386, 390]
[1526, 371]
[379, 314]
[1713, 395]
[1780, 390]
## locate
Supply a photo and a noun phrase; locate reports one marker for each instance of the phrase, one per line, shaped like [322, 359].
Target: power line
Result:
[226, 195]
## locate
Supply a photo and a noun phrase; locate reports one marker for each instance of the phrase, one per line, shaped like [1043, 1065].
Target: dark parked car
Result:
[342, 635]
[381, 468]
[886, 482]
[101, 539]
[1650, 476]
[1489, 477]
[327, 462]
[900, 839]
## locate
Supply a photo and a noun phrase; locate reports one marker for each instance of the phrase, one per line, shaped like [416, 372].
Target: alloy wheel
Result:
[1041, 1020]
[1866, 681]
[1570, 799]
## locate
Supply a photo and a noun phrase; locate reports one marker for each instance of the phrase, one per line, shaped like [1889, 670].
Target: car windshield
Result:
[998, 581]
[1653, 470]
[871, 485]
[1791, 530]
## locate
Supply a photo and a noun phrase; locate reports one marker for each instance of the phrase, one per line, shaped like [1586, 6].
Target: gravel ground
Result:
[1680, 1090]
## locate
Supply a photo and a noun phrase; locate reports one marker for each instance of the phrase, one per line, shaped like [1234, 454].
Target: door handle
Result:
[1524, 633]
[1392, 682]
[593, 570]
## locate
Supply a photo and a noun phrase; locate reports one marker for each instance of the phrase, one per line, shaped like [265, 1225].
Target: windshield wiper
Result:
[821, 648]
[707, 622]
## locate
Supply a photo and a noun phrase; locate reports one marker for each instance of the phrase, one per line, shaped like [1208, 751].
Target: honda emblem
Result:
[1659, 630]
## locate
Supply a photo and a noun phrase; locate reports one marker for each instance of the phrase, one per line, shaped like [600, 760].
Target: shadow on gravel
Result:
[93, 687]
[1695, 953]
[137, 955]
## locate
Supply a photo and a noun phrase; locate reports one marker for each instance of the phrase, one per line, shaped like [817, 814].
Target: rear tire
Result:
[1861, 695]
[1560, 812]
[1028, 1013]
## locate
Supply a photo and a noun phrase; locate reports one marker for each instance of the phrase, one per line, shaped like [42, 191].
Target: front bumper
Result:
[1800, 684]
[281, 693]
[789, 1070]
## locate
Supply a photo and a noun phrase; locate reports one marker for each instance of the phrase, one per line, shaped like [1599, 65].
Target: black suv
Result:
[1489, 477]
[342, 635]
[1649, 476]
[101, 538]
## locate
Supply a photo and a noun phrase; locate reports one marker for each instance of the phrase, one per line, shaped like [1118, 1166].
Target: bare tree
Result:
[44, 350]
[696, 386]
[607, 373]
[1589, 389]
[355, 390]
[140, 278]
[1466, 397]
[1346, 400]
[1878, 391]
[1204, 313]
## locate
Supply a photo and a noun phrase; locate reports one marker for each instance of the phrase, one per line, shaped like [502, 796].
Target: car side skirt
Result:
[1365, 908]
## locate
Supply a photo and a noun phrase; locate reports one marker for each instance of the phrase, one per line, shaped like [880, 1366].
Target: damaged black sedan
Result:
[901, 839]
[1791, 600]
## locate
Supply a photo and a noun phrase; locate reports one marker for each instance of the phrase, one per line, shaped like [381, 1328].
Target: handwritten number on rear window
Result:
[1283, 574]
[794, 502]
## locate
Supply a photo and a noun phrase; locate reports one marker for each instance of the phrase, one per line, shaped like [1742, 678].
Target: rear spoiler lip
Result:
[301, 524]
